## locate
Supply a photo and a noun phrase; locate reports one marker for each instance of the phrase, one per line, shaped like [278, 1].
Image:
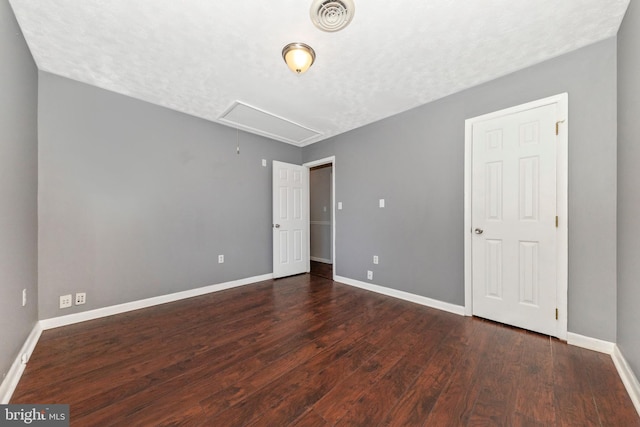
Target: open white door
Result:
[514, 209]
[290, 219]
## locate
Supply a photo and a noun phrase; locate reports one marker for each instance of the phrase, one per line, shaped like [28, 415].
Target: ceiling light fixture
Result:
[298, 56]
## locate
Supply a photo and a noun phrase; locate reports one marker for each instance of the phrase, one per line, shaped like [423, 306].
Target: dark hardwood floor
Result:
[322, 269]
[305, 351]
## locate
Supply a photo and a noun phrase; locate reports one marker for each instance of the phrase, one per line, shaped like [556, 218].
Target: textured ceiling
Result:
[199, 57]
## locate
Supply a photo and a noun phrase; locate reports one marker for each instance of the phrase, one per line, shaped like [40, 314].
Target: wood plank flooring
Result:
[322, 269]
[305, 351]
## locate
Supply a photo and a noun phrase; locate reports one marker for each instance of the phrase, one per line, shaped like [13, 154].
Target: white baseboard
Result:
[418, 299]
[70, 319]
[323, 260]
[627, 376]
[590, 343]
[629, 380]
[10, 382]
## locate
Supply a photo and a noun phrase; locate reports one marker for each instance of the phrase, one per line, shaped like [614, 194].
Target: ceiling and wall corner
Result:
[420, 233]
[200, 57]
[340, 107]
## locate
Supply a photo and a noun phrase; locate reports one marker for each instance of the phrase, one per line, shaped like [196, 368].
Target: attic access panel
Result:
[260, 122]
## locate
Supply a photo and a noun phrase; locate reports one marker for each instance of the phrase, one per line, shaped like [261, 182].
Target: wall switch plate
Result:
[66, 301]
[339, 206]
[381, 203]
[370, 275]
[264, 162]
[375, 259]
[24, 297]
[81, 298]
[220, 259]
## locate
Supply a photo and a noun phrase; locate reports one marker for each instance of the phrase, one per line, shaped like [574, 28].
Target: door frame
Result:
[562, 184]
[320, 162]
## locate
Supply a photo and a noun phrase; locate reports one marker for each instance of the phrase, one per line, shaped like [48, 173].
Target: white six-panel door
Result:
[514, 242]
[290, 219]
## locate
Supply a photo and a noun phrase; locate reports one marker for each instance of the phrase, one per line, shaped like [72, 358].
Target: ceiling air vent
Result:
[332, 15]
[261, 122]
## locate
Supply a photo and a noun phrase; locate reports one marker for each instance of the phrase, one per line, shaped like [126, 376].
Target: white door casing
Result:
[329, 161]
[290, 219]
[517, 250]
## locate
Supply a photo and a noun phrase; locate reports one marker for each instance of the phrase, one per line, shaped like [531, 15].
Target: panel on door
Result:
[514, 247]
[290, 219]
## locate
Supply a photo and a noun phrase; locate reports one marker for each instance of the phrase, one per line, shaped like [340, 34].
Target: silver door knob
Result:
[276, 225]
[479, 231]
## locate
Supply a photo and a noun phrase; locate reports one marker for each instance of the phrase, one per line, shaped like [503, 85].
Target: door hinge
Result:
[556, 314]
[557, 221]
[558, 126]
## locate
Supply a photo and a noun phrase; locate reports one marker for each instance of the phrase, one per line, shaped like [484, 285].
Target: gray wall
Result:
[629, 187]
[137, 200]
[320, 212]
[18, 188]
[415, 161]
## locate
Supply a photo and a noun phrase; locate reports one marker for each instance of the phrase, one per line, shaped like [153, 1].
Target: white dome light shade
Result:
[298, 56]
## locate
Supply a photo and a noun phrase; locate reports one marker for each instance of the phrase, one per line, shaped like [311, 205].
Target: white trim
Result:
[320, 162]
[70, 319]
[418, 299]
[562, 206]
[322, 260]
[562, 101]
[12, 379]
[627, 376]
[468, 263]
[256, 130]
[590, 343]
[326, 161]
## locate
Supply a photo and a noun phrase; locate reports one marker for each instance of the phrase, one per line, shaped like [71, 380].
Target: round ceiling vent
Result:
[332, 15]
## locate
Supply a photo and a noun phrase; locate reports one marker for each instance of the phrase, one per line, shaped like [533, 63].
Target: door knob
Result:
[479, 231]
[276, 225]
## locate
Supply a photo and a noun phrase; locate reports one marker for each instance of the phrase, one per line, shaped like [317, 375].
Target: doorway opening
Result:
[321, 217]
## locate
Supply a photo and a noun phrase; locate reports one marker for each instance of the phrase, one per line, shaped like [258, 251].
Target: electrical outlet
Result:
[339, 206]
[220, 259]
[370, 275]
[375, 259]
[264, 163]
[24, 297]
[81, 298]
[66, 301]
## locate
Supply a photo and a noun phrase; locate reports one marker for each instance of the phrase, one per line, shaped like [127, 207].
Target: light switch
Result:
[381, 203]
[339, 206]
[264, 162]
